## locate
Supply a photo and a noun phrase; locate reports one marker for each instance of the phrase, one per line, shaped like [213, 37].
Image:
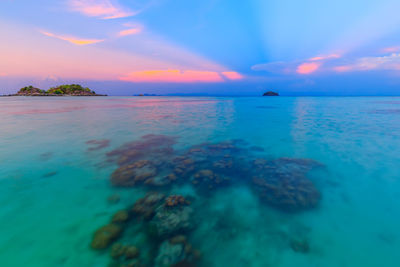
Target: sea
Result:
[200, 181]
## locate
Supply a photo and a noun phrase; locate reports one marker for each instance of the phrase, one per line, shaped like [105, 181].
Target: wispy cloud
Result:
[392, 49]
[302, 67]
[180, 76]
[232, 75]
[308, 67]
[131, 31]
[389, 62]
[73, 40]
[104, 9]
[319, 58]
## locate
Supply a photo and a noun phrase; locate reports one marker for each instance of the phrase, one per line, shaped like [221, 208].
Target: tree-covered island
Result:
[62, 90]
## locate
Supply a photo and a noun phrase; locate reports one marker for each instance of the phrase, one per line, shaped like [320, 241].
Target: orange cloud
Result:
[172, 76]
[72, 40]
[104, 9]
[318, 58]
[232, 75]
[129, 31]
[308, 68]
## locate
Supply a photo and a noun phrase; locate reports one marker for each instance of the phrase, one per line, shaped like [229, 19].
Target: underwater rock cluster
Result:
[167, 220]
[283, 183]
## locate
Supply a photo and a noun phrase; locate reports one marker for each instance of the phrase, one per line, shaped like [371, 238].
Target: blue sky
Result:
[213, 47]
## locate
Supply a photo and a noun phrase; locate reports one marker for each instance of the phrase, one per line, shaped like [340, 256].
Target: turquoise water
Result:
[55, 185]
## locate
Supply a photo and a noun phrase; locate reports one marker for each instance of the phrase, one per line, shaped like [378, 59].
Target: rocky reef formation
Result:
[66, 89]
[283, 183]
[163, 220]
[136, 173]
[104, 236]
[166, 219]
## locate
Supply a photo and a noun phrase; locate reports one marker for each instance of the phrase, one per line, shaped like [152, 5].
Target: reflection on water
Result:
[169, 181]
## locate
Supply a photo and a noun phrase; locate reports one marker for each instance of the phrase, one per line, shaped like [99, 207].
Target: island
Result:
[61, 90]
[270, 93]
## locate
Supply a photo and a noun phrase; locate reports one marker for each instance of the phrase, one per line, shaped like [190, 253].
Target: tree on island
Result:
[66, 89]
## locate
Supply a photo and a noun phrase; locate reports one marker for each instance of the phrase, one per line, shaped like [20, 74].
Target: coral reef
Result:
[207, 179]
[169, 254]
[97, 144]
[163, 220]
[149, 146]
[121, 216]
[145, 207]
[104, 236]
[175, 201]
[132, 174]
[283, 183]
[168, 221]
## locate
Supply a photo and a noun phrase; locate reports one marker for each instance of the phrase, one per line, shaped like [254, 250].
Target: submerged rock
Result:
[145, 207]
[132, 174]
[207, 179]
[104, 236]
[169, 254]
[300, 246]
[168, 221]
[131, 252]
[283, 183]
[121, 216]
[113, 199]
[117, 250]
[149, 146]
[176, 200]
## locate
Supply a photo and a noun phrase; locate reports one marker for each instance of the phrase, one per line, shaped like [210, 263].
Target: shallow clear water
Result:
[54, 186]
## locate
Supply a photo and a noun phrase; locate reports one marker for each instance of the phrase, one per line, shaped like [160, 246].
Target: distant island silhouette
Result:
[270, 93]
[61, 90]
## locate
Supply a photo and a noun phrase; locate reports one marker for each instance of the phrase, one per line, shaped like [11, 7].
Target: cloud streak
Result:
[72, 40]
[180, 76]
[103, 9]
[389, 62]
[130, 31]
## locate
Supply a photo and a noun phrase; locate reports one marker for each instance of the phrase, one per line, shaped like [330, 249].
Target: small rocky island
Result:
[62, 90]
[270, 93]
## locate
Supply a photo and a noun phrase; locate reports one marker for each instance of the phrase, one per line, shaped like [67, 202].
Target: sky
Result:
[208, 47]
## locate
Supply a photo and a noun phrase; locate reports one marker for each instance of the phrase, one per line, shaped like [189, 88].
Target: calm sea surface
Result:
[273, 181]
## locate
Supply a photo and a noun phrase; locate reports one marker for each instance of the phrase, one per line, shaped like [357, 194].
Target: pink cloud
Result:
[308, 67]
[104, 9]
[129, 31]
[390, 62]
[173, 76]
[392, 49]
[342, 68]
[318, 58]
[3, 74]
[73, 40]
[232, 75]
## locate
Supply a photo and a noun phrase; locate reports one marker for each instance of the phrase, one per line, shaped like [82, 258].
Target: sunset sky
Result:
[212, 47]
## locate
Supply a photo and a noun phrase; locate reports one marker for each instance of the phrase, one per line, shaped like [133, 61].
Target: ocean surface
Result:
[263, 181]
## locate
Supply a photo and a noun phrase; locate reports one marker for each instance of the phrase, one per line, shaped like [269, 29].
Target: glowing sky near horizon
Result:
[242, 47]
